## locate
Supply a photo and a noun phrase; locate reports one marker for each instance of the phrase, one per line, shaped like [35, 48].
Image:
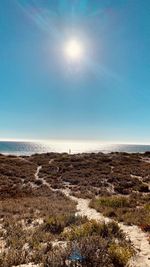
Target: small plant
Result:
[94, 228]
[13, 258]
[113, 202]
[125, 209]
[55, 225]
[145, 227]
[120, 255]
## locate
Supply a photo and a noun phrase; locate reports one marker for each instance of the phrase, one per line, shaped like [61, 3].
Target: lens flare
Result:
[74, 49]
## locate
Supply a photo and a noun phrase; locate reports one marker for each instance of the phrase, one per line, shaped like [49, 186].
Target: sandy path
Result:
[140, 242]
[147, 160]
[138, 238]
[36, 175]
[37, 178]
[83, 208]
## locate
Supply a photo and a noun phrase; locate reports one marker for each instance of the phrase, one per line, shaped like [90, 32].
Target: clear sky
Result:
[104, 95]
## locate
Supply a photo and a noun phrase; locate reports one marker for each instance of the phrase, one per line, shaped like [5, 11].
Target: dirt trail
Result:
[147, 160]
[138, 238]
[37, 178]
[140, 242]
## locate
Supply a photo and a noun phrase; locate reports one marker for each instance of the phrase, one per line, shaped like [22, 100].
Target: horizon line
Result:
[74, 141]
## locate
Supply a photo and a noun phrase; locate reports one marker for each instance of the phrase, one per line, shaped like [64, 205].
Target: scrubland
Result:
[38, 223]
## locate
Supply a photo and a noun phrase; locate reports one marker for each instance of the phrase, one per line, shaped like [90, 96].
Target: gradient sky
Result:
[106, 96]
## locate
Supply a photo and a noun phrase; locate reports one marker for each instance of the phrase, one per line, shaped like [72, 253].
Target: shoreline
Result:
[20, 148]
[28, 154]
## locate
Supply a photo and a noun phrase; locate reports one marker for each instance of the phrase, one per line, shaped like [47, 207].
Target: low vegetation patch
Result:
[34, 219]
[32, 239]
[113, 202]
[94, 228]
[56, 224]
[125, 209]
[120, 254]
[101, 244]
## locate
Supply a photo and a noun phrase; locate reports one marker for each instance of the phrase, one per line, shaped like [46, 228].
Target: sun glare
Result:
[74, 49]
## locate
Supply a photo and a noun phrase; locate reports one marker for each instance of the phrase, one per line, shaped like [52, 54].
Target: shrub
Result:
[56, 224]
[130, 210]
[145, 227]
[15, 236]
[144, 188]
[119, 254]
[113, 202]
[94, 228]
[13, 258]
[95, 251]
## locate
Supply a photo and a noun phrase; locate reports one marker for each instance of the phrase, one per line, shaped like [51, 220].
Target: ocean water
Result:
[29, 148]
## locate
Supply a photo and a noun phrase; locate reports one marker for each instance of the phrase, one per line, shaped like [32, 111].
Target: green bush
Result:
[120, 255]
[56, 224]
[113, 202]
[94, 228]
[131, 210]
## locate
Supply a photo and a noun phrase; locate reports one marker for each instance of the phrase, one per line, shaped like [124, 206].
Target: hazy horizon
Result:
[50, 141]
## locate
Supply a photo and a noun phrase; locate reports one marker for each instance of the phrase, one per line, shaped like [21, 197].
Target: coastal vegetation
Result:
[39, 222]
[86, 174]
[49, 240]
[132, 210]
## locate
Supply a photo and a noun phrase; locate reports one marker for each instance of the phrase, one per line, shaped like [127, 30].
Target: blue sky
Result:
[105, 96]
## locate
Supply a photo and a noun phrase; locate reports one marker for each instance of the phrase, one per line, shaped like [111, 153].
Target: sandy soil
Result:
[138, 238]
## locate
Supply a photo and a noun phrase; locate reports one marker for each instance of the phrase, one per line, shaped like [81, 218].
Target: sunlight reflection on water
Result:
[28, 148]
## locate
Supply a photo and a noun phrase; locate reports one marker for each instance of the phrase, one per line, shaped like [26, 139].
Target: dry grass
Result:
[94, 240]
[37, 207]
[132, 210]
[29, 226]
[32, 217]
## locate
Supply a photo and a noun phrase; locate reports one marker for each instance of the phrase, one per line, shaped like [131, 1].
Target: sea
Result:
[72, 147]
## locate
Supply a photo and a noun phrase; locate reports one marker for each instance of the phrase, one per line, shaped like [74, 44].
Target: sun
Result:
[74, 50]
